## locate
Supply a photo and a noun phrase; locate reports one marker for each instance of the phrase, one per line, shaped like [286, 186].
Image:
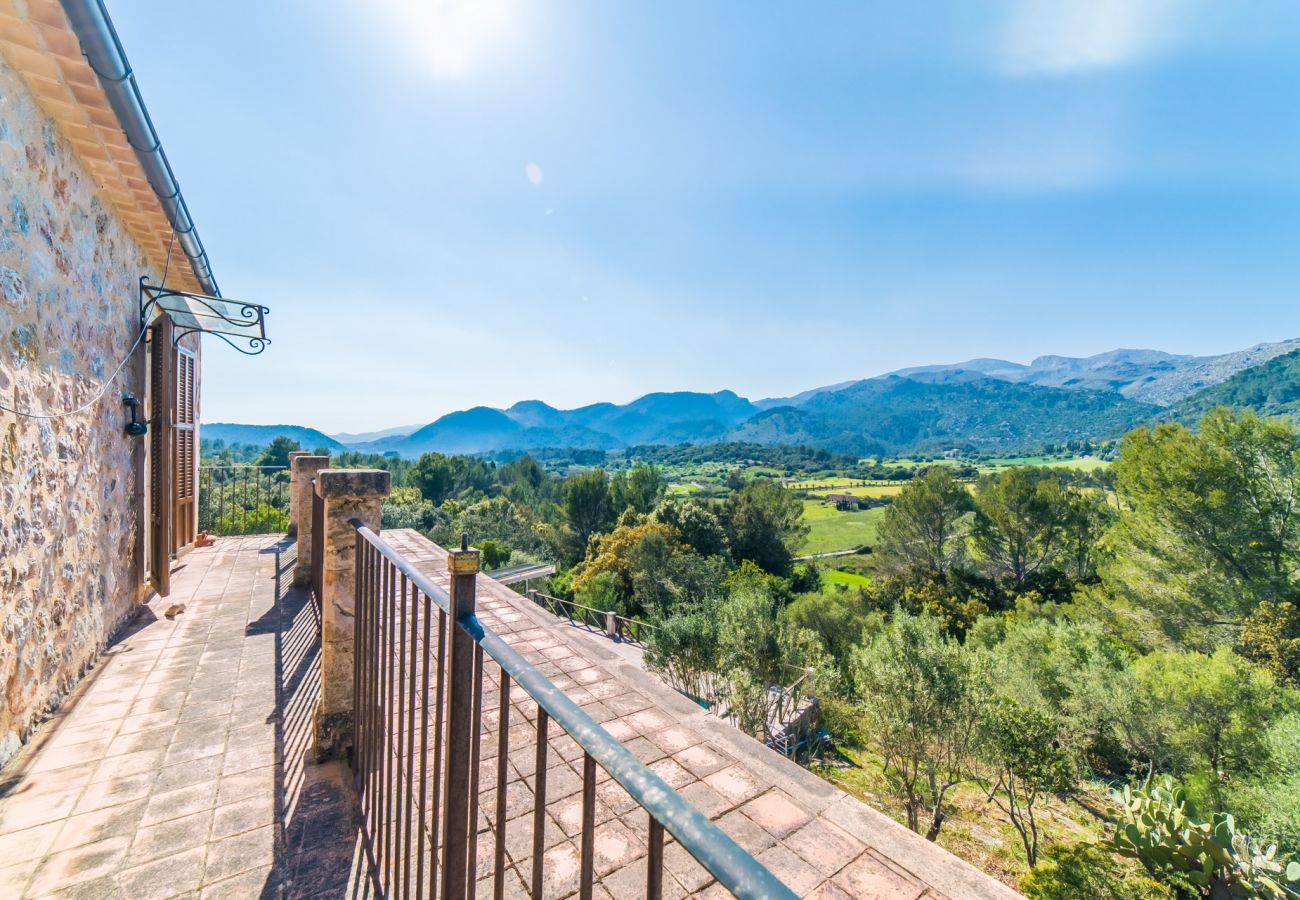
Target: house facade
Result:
[91, 516]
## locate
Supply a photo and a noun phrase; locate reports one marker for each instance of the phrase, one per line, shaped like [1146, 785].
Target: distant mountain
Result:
[1270, 389]
[800, 398]
[1151, 376]
[483, 430]
[982, 404]
[934, 411]
[362, 437]
[663, 418]
[261, 435]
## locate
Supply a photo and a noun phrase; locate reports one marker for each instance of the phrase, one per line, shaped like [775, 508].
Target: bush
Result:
[1086, 870]
[262, 519]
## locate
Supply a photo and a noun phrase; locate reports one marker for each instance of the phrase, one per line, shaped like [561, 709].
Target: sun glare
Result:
[452, 39]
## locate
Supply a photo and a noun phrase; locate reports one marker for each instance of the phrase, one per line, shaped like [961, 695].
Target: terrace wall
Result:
[71, 489]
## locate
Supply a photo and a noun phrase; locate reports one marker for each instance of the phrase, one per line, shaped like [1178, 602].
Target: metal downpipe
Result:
[103, 50]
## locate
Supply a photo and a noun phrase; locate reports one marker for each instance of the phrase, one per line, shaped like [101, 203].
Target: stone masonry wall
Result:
[71, 502]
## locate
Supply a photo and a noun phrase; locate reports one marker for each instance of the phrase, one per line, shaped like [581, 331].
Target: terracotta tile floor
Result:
[179, 767]
[819, 841]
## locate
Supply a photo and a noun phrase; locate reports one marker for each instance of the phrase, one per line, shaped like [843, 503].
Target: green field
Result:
[881, 489]
[834, 530]
[849, 579]
[1084, 463]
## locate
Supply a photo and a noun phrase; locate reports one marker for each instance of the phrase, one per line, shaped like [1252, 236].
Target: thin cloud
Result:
[1070, 36]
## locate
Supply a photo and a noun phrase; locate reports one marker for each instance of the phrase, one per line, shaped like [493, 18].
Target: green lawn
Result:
[835, 530]
[851, 579]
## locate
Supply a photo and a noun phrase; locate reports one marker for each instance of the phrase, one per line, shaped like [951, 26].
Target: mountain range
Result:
[981, 404]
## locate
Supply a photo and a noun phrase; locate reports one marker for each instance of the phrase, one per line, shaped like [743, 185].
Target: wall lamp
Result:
[137, 427]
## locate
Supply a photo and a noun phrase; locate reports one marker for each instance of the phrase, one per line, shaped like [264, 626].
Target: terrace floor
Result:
[180, 766]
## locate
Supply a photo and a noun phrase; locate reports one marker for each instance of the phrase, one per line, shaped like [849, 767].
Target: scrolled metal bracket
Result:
[193, 313]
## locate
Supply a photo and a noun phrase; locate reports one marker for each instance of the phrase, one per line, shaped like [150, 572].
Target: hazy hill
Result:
[662, 418]
[1151, 376]
[261, 435]
[361, 437]
[1270, 389]
[938, 410]
[983, 404]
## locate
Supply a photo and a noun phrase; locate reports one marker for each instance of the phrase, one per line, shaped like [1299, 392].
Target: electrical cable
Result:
[103, 388]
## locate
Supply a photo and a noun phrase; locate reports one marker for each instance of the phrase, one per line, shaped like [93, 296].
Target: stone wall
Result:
[71, 489]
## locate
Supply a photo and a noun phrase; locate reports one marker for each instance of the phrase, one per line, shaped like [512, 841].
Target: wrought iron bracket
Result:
[230, 320]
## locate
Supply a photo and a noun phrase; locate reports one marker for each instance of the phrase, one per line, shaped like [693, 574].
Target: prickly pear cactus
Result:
[1161, 828]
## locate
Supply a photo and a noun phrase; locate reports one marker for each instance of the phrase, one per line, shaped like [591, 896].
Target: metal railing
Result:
[430, 679]
[633, 631]
[765, 714]
[621, 628]
[243, 499]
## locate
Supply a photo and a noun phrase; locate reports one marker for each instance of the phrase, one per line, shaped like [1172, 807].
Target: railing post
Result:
[294, 500]
[463, 564]
[302, 469]
[348, 494]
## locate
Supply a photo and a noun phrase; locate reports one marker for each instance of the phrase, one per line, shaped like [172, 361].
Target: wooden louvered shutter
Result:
[161, 469]
[185, 454]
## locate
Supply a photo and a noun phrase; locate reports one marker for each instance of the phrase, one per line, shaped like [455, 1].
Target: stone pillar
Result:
[348, 494]
[303, 468]
[294, 501]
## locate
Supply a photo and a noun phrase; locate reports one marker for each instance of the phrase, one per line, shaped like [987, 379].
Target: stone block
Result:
[348, 495]
[303, 468]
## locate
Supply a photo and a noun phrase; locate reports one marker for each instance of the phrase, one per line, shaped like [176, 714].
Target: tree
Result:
[639, 489]
[523, 480]
[749, 658]
[493, 520]
[1217, 708]
[1087, 517]
[1270, 636]
[620, 553]
[838, 618]
[1026, 763]
[921, 531]
[277, 452]
[1020, 519]
[494, 553]
[684, 649]
[603, 592]
[922, 695]
[764, 524]
[1212, 522]
[699, 526]
[433, 476]
[587, 505]
[1067, 669]
[648, 562]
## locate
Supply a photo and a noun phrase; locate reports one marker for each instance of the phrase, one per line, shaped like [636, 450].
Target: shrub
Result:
[1086, 870]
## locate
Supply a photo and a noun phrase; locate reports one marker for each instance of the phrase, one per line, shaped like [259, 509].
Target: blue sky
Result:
[472, 202]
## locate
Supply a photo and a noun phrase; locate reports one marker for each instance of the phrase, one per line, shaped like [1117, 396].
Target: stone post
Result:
[294, 501]
[303, 468]
[348, 494]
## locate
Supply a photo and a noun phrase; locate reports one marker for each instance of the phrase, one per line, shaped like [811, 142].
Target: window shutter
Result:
[185, 455]
[161, 468]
